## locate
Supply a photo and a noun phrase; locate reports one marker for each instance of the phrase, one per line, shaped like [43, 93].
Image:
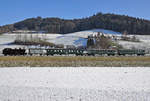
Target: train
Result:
[76, 52]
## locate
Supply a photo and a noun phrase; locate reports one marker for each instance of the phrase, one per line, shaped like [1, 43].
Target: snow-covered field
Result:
[75, 84]
[143, 44]
[8, 38]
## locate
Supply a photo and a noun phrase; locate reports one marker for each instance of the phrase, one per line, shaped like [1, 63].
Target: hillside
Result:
[118, 23]
[76, 39]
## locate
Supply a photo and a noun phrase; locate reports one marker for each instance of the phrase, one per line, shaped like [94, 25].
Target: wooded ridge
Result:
[119, 23]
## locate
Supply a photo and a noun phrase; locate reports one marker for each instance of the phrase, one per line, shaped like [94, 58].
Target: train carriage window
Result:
[66, 50]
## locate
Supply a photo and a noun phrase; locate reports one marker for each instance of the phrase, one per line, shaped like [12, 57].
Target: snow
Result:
[67, 39]
[78, 38]
[6, 39]
[75, 84]
[143, 44]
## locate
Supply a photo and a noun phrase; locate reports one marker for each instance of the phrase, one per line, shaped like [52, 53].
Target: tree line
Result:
[100, 41]
[108, 21]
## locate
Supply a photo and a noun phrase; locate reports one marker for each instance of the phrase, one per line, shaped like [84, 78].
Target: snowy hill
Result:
[79, 38]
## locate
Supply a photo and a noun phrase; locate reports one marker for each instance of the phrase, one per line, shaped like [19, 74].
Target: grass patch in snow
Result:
[71, 61]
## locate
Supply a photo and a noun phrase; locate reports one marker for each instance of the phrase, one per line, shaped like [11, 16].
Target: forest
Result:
[119, 23]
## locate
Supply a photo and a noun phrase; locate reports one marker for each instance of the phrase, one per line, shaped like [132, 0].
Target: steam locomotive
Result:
[11, 52]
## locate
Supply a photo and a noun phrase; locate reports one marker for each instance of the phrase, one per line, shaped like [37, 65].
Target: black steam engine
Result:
[11, 52]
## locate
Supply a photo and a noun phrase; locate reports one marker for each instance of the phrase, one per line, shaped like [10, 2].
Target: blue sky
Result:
[16, 10]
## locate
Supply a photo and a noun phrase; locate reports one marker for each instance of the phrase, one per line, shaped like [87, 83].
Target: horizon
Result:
[15, 11]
